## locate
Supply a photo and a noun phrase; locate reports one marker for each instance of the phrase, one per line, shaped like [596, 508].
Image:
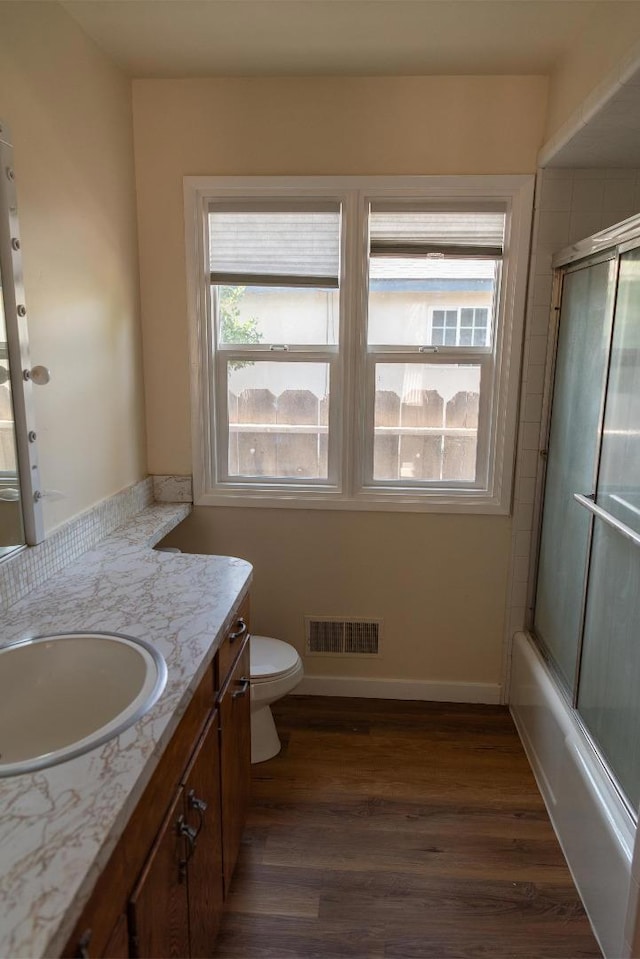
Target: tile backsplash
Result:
[172, 489]
[28, 568]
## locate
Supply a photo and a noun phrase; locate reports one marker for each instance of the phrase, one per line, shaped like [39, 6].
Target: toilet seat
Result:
[271, 659]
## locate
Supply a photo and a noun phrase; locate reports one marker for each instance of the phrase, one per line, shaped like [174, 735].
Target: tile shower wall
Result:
[570, 205]
[21, 573]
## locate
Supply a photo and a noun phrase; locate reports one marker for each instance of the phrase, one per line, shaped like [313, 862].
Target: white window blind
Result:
[271, 246]
[459, 234]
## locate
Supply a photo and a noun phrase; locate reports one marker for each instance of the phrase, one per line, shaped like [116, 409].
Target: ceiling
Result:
[215, 38]
[196, 38]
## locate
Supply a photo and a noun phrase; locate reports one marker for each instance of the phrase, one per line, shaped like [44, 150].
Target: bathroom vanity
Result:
[162, 892]
[129, 849]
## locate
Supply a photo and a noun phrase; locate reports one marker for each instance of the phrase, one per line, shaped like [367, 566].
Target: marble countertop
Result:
[59, 826]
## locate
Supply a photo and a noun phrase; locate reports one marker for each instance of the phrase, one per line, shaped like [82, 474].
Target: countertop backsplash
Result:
[31, 566]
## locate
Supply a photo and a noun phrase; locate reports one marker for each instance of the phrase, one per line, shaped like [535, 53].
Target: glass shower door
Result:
[581, 365]
[609, 689]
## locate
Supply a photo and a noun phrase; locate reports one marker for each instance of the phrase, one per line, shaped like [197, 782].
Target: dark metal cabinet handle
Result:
[82, 950]
[240, 631]
[197, 803]
[244, 686]
[200, 806]
[190, 834]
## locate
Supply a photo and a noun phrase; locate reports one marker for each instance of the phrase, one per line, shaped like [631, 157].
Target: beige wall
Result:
[415, 125]
[69, 111]
[438, 581]
[599, 52]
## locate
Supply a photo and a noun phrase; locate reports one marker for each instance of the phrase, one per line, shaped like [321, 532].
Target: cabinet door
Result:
[158, 908]
[235, 748]
[202, 813]
[118, 945]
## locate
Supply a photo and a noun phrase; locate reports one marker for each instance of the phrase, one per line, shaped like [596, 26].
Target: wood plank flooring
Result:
[388, 829]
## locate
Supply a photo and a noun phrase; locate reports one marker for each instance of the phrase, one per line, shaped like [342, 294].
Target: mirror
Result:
[11, 525]
[20, 509]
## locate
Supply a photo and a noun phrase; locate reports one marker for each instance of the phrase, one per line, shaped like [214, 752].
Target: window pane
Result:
[273, 314]
[426, 422]
[409, 299]
[278, 419]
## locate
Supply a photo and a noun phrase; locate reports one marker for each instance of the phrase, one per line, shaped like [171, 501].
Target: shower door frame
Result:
[610, 245]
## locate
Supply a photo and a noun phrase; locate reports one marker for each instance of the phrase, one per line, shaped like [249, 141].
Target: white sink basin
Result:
[65, 694]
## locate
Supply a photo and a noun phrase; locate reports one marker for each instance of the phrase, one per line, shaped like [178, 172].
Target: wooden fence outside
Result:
[418, 436]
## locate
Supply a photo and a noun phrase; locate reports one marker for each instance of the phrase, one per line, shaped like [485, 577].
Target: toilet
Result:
[276, 669]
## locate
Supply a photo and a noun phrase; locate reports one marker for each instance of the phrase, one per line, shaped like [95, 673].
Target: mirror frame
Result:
[18, 347]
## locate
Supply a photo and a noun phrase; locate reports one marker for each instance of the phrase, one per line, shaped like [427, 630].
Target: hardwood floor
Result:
[389, 829]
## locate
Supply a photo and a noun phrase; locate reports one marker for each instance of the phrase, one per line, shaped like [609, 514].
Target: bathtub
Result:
[595, 828]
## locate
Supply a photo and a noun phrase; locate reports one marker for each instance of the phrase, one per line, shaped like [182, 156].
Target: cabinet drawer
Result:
[232, 644]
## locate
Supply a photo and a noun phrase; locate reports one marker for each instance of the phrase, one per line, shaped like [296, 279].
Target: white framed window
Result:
[355, 341]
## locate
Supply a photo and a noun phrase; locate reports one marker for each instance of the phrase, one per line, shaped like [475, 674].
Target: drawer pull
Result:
[82, 950]
[199, 804]
[244, 686]
[190, 834]
[200, 807]
[242, 628]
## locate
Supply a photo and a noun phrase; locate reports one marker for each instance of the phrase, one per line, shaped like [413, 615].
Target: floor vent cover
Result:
[343, 637]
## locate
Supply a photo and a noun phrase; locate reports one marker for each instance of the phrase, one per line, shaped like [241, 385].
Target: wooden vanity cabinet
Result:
[176, 906]
[235, 756]
[118, 944]
[203, 814]
[162, 891]
[159, 905]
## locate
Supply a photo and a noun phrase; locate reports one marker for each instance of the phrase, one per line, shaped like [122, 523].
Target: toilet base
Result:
[265, 742]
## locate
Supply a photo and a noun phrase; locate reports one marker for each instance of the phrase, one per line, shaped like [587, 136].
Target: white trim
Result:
[437, 692]
[456, 502]
[515, 192]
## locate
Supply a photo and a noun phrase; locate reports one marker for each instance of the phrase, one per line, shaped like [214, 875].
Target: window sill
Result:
[475, 502]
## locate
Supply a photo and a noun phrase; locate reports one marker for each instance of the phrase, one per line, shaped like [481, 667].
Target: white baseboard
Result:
[438, 692]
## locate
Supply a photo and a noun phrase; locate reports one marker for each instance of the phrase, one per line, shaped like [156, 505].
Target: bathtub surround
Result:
[593, 825]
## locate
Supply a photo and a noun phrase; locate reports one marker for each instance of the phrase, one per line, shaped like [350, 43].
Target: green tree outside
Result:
[233, 329]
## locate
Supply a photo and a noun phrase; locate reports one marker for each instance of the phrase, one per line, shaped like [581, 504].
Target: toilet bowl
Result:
[276, 669]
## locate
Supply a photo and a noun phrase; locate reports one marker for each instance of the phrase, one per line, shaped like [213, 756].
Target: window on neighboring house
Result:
[467, 326]
[352, 340]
